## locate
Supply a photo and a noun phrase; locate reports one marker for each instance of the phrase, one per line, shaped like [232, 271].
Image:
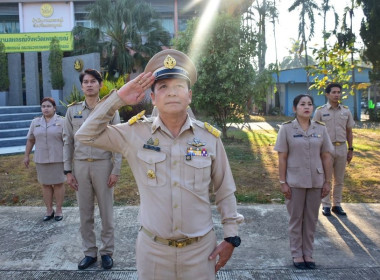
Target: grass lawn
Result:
[253, 163]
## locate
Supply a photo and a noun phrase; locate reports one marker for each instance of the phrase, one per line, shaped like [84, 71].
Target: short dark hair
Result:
[92, 72]
[297, 99]
[331, 85]
[50, 99]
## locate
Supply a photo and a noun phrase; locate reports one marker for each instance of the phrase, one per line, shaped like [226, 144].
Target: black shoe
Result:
[58, 218]
[299, 265]
[326, 211]
[47, 218]
[86, 262]
[107, 262]
[338, 210]
[310, 265]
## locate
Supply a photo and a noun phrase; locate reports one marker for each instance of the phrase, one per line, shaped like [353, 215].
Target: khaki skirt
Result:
[50, 173]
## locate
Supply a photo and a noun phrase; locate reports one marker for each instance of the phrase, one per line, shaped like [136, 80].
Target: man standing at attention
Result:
[91, 172]
[174, 159]
[339, 123]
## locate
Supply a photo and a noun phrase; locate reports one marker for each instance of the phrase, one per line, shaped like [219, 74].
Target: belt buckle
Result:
[338, 144]
[90, 159]
[178, 243]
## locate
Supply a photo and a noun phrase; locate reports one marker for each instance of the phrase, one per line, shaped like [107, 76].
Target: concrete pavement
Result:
[345, 247]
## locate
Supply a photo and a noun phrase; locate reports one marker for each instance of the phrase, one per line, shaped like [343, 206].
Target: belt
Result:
[90, 159]
[179, 243]
[338, 143]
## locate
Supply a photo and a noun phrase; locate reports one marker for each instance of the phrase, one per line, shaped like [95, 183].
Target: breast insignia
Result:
[212, 130]
[321, 123]
[136, 118]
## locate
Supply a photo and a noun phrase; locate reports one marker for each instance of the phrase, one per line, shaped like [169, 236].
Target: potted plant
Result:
[4, 80]
[55, 67]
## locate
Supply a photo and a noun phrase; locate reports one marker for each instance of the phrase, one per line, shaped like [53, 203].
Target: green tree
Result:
[130, 31]
[55, 64]
[225, 74]
[370, 33]
[346, 39]
[307, 8]
[337, 68]
[295, 59]
[4, 80]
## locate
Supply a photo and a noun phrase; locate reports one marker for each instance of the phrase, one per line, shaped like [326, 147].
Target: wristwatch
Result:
[351, 149]
[235, 241]
[66, 172]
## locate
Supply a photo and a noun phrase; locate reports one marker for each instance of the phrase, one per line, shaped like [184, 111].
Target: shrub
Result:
[55, 64]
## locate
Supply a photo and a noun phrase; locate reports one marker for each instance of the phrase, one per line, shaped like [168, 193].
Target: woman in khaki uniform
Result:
[46, 133]
[305, 172]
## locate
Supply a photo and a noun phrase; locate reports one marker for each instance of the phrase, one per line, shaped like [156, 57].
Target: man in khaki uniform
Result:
[174, 159]
[91, 172]
[339, 123]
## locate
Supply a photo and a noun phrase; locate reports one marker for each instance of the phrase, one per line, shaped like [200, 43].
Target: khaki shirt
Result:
[304, 167]
[48, 139]
[337, 121]
[75, 116]
[174, 190]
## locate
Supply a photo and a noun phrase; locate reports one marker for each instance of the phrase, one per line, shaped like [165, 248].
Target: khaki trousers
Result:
[303, 208]
[161, 262]
[92, 179]
[339, 160]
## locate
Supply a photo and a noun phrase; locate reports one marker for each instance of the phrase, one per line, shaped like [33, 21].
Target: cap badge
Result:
[169, 62]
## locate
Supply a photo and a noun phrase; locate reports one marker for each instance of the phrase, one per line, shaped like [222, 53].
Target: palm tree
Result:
[326, 7]
[129, 31]
[295, 58]
[307, 12]
[350, 40]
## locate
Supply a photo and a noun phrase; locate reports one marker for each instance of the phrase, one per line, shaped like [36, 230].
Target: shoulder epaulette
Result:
[212, 130]
[320, 107]
[71, 104]
[286, 122]
[321, 123]
[37, 117]
[344, 106]
[136, 118]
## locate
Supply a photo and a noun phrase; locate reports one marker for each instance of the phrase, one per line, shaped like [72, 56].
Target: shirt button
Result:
[174, 162]
[175, 184]
[175, 206]
[176, 228]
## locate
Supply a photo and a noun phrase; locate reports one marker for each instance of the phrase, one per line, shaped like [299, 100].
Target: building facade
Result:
[31, 21]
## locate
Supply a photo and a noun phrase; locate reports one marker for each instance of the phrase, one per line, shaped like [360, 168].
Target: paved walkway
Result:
[345, 248]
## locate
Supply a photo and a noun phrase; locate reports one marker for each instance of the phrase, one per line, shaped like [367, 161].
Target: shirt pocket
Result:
[77, 122]
[198, 173]
[153, 167]
[326, 118]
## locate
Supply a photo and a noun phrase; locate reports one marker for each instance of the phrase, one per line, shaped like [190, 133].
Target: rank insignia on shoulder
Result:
[319, 107]
[212, 130]
[136, 118]
[152, 145]
[321, 123]
[344, 106]
[286, 122]
[71, 104]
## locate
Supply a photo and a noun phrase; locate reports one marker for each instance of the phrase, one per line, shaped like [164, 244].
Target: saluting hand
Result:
[133, 92]
[224, 250]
